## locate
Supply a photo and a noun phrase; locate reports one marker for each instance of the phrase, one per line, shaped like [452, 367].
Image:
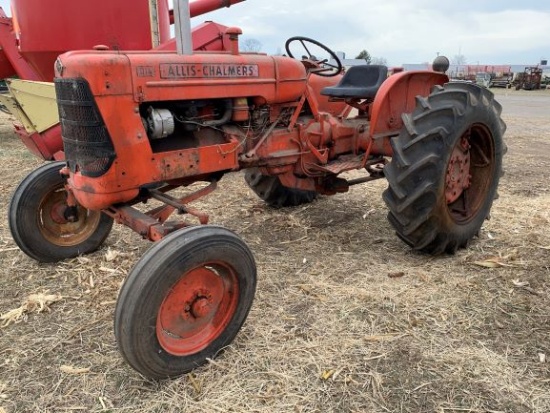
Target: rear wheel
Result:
[45, 227]
[446, 166]
[274, 193]
[184, 301]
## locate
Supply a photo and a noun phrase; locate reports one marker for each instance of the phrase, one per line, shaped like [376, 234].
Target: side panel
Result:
[36, 107]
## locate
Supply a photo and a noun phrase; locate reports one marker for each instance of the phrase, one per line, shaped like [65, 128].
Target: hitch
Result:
[153, 224]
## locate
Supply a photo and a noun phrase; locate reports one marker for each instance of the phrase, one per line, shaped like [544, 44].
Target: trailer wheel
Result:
[445, 169]
[274, 193]
[184, 301]
[42, 224]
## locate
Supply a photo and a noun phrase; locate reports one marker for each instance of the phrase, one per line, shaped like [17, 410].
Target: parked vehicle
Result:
[530, 79]
[484, 79]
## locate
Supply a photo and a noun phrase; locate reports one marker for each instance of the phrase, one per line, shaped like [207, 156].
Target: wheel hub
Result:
[201, 307]
[61, 213]
[58, 213]
[458, 176]
[65, 225]
[197, 308]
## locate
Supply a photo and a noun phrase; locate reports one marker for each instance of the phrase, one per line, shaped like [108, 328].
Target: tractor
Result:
[138, 125]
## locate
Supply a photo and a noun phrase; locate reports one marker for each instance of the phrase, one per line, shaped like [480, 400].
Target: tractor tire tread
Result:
[22, 218]
[417, 171]
[274, 193]
[153, 276]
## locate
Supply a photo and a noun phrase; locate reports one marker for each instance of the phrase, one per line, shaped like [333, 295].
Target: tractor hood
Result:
[154, 76]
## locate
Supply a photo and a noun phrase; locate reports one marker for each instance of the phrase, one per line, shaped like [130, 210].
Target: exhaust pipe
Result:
[182, 25]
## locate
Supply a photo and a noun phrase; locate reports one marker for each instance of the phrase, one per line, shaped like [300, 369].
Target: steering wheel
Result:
[319, 67]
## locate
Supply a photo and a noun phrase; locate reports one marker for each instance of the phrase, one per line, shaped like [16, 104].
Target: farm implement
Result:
[148, 125]
[38, 32]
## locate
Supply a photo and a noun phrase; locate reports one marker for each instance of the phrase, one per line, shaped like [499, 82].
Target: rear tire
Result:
[274, 193]
[184, 301]
[445, 169]
[37, 218]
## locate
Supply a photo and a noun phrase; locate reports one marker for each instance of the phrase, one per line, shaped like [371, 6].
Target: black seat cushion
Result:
[361, 82]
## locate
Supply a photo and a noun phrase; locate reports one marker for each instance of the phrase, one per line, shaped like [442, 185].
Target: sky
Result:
[400, 31]
[403, 31]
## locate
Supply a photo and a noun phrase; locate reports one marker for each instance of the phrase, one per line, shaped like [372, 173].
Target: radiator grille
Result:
[87, 144]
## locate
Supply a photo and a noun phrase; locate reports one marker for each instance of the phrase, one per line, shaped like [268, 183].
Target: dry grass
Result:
[346, 317]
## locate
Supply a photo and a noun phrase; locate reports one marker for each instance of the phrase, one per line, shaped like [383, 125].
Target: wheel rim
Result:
[197, 309]
[56, 228]
[469, 173]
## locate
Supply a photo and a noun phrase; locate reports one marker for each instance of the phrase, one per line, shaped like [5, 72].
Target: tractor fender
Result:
[396, 96]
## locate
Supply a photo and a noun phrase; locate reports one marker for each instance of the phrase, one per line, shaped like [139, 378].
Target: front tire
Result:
[274, 193]
[445, 169]
[184, 301]
[38, 218]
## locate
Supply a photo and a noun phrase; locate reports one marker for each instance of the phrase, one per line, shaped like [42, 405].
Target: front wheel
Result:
[45, 227]
[445, 169]
[184, 301]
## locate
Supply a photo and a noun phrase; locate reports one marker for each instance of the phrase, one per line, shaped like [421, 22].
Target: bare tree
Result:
[382, 61]
[363, 54]
[459, 59]
[251, 45]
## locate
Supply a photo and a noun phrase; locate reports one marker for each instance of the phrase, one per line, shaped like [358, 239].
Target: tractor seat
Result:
[359, 82]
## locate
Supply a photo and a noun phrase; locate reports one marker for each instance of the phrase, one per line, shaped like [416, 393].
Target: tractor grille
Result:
[87, 144]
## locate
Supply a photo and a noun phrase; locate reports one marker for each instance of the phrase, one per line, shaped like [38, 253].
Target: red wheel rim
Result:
[197, 309]
[470, 172]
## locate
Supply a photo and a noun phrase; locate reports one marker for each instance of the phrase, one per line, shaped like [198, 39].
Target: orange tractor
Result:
[137, 125]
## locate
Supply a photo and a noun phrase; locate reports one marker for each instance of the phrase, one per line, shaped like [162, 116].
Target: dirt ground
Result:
[346, 317]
